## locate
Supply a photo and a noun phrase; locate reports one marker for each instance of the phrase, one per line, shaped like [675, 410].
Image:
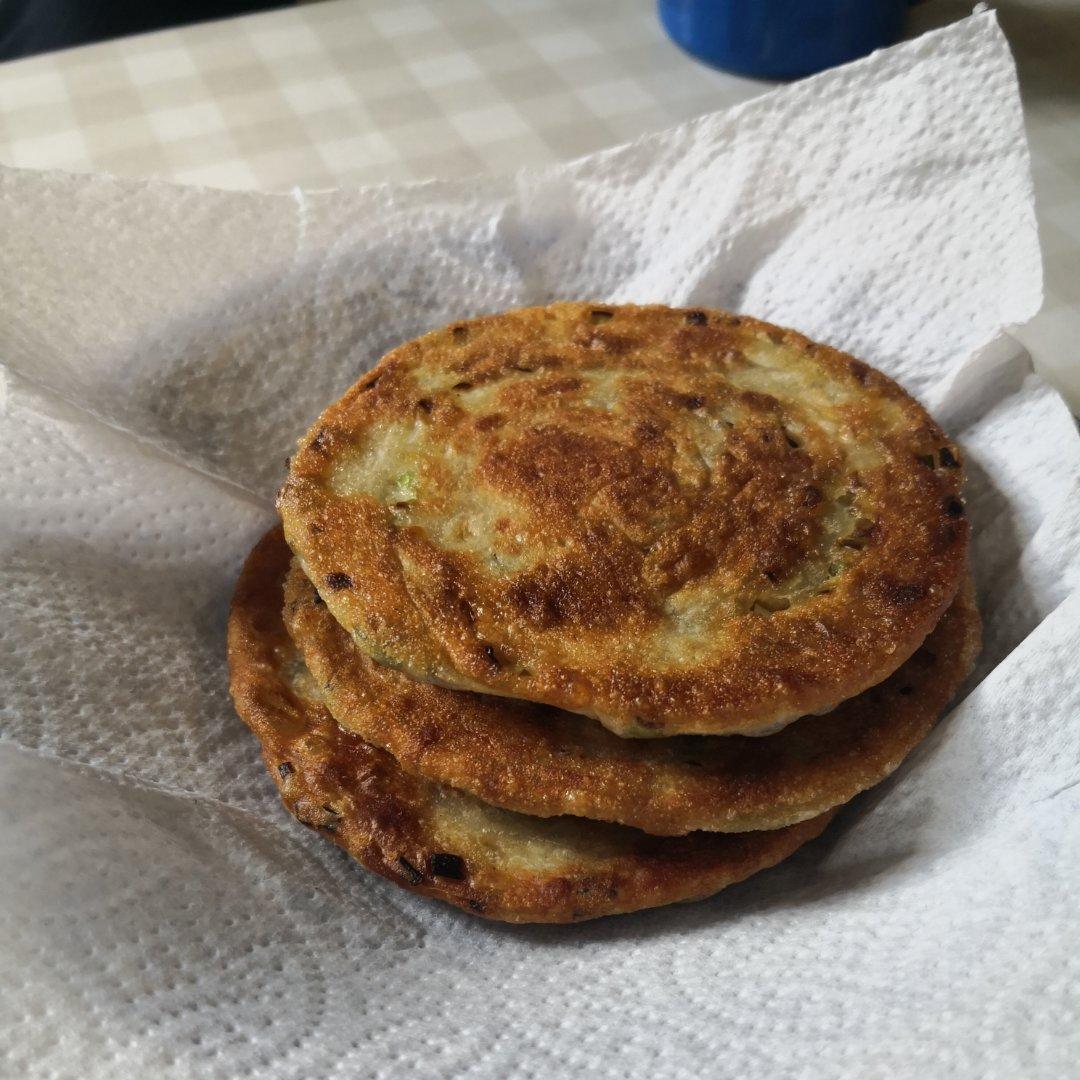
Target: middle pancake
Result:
[542, 761]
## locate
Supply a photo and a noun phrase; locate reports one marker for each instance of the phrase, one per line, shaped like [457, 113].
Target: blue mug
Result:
[781, 39]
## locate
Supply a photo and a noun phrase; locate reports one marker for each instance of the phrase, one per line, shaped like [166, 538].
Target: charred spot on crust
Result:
[459, 333]
[412, 875]
[466, 610]
[860, 371]
[463, 385]
[319, 440]
[811, 495]
[572, 593]
[338, 581]
[756, 401]
[427, 734]
[866, 532]
[444, 865]
[328, 820]
[943, 459]
[697, 318]
[608, 342]
[314, 528]
[537, 604]
[478, 906]
[489, 655]
[425, 405]
[489, 422]
[946, 534]
[953, 507]
[372, 382]
[285, 769]
[565, 385]
[692, 401]
[899, 593]
[600, 315]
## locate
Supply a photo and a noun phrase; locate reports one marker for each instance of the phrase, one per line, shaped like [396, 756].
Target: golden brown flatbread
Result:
[674, 521]
[440, 842]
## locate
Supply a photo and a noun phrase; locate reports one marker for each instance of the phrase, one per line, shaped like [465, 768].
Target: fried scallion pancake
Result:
[674, 521]
[539, 760]
[440, 842]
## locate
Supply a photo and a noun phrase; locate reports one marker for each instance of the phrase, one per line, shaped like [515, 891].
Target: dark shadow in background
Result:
[36, 26]
[1042, 34]
[1044, 38]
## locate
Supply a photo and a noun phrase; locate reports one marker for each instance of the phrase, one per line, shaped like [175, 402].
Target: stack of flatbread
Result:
[582, 609]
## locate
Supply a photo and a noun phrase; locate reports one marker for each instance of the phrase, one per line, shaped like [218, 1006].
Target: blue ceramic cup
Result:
[781, 39]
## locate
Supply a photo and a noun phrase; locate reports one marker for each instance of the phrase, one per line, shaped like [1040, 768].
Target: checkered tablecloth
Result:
[354, 91]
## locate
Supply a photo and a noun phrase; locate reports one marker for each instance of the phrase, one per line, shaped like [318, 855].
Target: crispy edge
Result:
[357, 797]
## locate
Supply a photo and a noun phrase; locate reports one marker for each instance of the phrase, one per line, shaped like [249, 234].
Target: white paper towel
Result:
[159, 913]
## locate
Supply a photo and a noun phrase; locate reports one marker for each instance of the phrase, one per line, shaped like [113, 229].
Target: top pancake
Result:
[673, 521]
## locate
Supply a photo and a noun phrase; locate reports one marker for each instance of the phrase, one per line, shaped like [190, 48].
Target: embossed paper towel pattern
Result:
[160, 914]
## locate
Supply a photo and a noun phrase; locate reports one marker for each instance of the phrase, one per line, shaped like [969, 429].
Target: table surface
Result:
[355, 91]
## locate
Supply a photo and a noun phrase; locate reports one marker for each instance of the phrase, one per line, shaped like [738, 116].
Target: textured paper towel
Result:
[159, 913]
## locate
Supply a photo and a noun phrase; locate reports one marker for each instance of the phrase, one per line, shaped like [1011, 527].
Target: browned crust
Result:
[359, 798]
[538, 760]
[627, 518]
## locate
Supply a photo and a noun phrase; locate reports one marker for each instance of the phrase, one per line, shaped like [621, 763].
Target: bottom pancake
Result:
[436, 840]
